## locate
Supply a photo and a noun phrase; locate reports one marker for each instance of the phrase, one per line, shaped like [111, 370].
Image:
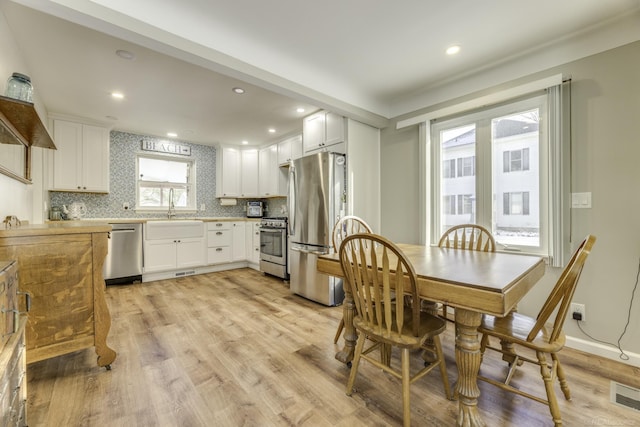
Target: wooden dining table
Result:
[472, 282]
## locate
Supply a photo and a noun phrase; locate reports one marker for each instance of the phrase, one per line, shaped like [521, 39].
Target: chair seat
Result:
[515, 328]
[430, 326]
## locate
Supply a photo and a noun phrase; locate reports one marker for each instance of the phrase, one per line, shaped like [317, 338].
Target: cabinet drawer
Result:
[219, 255]
[217, 238]
[222, 225]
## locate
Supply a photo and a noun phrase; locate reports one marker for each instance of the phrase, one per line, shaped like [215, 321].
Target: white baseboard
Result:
[602, 350]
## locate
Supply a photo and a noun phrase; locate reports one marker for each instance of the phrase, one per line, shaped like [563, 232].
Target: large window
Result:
[165, 180]
[500, 182]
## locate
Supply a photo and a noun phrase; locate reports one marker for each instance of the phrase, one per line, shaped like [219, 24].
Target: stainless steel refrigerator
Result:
[317, 195]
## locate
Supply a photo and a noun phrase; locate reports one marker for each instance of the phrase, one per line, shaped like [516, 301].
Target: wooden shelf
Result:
[23, 117]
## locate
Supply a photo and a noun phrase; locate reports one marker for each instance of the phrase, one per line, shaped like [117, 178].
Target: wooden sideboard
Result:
[61, 268]
[13, 369]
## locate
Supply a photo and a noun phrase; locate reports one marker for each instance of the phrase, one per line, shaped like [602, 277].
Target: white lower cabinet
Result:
[219, 242]
[252, 242]
[226, 242]
[239, 252]
[173, 246]
[173, 254]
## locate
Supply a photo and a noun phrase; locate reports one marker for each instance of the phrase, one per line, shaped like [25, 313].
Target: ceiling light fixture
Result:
[117, 95]
[272, 130]
[300, 110]
[245, 142]
[453, 50]
[238, 90]
[172, 134]
[125, 54]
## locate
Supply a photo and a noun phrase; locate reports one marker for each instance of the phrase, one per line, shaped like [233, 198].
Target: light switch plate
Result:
[581, 200]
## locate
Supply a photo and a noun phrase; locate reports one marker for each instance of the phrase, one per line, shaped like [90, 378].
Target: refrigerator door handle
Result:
[292, 198]
[307, 251]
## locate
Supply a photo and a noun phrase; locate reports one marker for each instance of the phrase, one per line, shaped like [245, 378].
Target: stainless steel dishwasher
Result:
[124, 260]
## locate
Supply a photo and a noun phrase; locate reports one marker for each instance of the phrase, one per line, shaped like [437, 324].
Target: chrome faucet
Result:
[171, 213]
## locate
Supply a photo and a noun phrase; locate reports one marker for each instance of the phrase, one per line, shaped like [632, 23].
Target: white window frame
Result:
[559, 93]
[191, 184]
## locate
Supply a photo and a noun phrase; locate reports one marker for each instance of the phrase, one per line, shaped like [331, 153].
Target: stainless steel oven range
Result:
[273, 246]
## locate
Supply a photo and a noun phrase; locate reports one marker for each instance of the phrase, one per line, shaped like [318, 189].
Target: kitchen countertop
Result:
[56, 227]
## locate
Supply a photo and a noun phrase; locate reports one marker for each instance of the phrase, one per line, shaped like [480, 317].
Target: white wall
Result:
[605, 153]
[17, 198]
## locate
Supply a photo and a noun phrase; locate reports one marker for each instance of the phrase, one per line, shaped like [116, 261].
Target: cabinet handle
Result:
[27, 299]
[218, 224]
[218, 249]
[79, 188]
[218, 233]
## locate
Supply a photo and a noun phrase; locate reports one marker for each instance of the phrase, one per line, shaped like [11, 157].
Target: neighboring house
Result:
[515, 184]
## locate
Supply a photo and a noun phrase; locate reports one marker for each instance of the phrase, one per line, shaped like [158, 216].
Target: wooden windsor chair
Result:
[375, 270]
[542, 335]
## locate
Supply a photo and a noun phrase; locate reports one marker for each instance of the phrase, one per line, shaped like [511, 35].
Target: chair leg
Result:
[339, 331]
[564, 385]
[551, 393]
[406, 383]
[355, 363]
[443, 367]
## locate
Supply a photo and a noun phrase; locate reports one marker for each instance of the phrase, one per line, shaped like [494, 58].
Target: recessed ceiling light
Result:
[117, 95]
[111, 117]
[172, 134]
[245, 142]
[125, 54]
[453, 50]
[238, 90]
[300, 110]
[272, 130]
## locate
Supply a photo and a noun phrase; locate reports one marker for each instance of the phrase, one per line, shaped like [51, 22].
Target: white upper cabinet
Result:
[236, 172]
[322, 130]
[289, 149]
[81, 161]
[269, 171]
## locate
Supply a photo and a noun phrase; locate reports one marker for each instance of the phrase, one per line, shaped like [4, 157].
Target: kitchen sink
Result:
[173, 229]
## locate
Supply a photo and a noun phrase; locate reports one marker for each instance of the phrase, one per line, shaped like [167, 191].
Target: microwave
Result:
[254, 210]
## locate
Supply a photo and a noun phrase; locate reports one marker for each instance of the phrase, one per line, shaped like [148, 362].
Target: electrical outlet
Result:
[578, 310]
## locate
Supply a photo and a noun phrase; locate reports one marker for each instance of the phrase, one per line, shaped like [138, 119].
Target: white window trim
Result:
[558, 170]
[192, 172]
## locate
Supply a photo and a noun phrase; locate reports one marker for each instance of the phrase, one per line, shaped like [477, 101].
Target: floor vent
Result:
[625, 395]
[185, 273]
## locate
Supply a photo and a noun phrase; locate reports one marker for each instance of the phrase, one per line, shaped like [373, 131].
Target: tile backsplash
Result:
[122, 186]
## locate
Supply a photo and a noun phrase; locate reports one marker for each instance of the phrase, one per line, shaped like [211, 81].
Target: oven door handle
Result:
[307, 251]
[272, 230]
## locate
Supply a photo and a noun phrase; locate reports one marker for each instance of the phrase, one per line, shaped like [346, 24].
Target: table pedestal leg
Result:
[468, 360]
[350, 337]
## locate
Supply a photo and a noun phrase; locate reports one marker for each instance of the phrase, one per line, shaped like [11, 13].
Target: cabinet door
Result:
[159, 255]
[190, 252]
[334, 129]
[256, 244]
[296, 147]
[229, 165]
[284, 151]
[95, 158]
[68, 156]
[238, 251]
[269, 171]
[313, 131]
[249, 178]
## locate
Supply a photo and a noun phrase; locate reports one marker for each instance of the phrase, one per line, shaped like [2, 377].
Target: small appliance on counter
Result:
[56, 214]
[254, 210]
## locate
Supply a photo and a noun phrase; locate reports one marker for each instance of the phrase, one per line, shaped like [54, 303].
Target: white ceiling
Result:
[370, 60]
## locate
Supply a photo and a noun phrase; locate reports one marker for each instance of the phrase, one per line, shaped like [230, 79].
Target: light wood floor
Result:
[237, 348]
